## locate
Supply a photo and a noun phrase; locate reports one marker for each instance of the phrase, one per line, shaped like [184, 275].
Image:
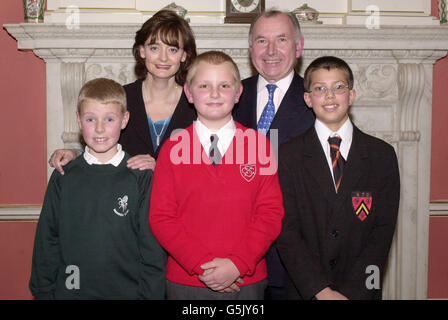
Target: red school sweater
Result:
[199, 212]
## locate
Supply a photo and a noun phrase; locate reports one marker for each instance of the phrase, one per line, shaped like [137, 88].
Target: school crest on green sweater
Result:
[122, 206]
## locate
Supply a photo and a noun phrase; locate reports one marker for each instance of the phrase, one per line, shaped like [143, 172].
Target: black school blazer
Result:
[325, 240]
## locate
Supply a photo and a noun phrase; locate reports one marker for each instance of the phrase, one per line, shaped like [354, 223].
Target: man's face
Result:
[274, 50]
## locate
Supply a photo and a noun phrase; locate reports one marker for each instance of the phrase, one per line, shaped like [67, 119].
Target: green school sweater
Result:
[93, 239]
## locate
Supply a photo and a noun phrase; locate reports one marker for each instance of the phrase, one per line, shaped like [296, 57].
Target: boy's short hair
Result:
[328, 63]
[216, 58]
[104, 91]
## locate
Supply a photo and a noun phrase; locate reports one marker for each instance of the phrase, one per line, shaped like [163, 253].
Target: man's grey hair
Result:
[272, 13]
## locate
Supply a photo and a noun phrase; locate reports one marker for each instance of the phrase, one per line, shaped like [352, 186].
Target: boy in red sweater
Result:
[216, 204]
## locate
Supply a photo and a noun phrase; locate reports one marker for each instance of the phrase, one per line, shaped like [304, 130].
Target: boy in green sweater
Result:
[93, 239]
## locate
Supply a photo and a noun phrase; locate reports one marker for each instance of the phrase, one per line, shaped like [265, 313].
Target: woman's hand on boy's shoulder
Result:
[141, 162]
[61, 157]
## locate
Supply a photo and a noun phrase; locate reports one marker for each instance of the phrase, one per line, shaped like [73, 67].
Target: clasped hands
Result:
[221, 275]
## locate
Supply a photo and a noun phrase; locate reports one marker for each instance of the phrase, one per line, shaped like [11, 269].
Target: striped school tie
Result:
[337, 161]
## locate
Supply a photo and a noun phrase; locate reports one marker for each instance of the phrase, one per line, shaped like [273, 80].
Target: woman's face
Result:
[162, 60]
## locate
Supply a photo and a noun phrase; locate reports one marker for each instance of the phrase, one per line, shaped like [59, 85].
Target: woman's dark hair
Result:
[172, 30]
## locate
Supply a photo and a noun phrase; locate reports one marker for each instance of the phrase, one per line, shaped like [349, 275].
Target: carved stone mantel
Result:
[393, 69]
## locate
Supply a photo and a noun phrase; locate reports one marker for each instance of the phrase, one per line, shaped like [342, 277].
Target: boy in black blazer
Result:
[341, 192]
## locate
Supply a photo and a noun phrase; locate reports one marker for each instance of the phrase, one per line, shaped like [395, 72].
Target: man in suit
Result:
[341, 192]
[275, 44]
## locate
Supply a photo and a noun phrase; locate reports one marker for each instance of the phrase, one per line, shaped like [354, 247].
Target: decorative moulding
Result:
[439, 208]
[20, 212]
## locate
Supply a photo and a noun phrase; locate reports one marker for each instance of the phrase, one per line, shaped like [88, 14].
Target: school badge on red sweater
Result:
[362, 203]
[248, 171]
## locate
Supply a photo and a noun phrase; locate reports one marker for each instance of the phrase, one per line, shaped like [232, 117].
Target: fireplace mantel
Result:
[393, 68]
[34, 36]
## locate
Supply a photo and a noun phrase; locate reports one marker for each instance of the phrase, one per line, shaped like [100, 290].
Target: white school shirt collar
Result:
[115, 160]
[225, 135]
[345, 132]
[279, 93]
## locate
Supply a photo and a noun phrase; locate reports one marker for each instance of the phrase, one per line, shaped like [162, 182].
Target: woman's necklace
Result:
[158, 135]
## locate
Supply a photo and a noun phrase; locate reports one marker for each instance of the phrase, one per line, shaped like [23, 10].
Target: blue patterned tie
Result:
[268, 113]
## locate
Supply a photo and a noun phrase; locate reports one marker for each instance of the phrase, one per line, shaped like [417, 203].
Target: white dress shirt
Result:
[225, 135]
[115, 160]
[346, 134]
[279, 93]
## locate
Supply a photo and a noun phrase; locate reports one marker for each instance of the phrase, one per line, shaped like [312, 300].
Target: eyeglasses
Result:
[320, 91]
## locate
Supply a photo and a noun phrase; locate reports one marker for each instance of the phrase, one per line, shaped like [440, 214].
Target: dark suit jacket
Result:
[135, 138]
[292, 118]
[323, 241]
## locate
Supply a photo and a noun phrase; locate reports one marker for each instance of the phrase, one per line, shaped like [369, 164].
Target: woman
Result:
[164, 48]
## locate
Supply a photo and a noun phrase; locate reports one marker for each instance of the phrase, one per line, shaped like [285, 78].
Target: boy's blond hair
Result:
[216, 58]
[104, 91]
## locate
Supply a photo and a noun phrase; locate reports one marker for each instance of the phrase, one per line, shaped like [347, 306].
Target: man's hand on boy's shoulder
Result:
[62, 157]
[141, 162]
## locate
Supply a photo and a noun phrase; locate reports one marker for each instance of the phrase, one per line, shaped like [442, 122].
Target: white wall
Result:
[397, 12]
